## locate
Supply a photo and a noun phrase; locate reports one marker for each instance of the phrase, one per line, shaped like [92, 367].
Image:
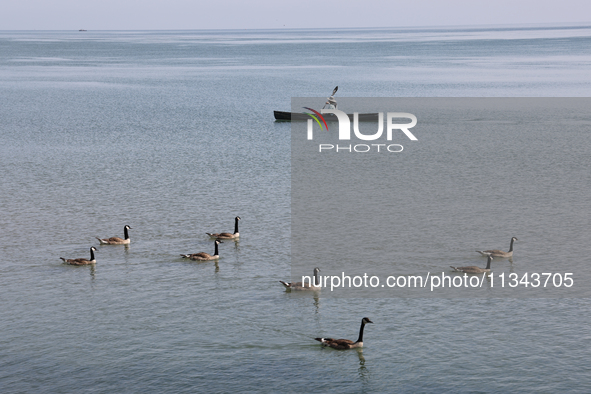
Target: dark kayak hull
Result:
[289, 116]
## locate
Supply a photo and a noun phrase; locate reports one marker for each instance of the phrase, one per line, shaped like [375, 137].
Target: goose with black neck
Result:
[344, 344]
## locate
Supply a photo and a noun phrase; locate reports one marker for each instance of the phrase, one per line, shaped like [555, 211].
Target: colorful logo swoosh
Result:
[315, 118]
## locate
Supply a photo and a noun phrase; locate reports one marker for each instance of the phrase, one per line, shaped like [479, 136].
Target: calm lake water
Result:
[173, 134]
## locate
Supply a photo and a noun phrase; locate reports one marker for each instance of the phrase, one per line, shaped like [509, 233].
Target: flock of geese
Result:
[343, 344]
[202, 256]
[339, 344]
[472, 269]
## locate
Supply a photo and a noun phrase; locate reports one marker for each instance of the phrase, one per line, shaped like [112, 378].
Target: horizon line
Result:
[475, 26]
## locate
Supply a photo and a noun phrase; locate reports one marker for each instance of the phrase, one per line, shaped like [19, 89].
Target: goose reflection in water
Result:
[316, 303]
[362, 371]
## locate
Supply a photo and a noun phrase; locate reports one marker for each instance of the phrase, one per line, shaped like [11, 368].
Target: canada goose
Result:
[116, 240]
[202, 256]
[82, 261]
[228, 235]
[342, 344]
[305, 286]
[474, 269]
[499, 253]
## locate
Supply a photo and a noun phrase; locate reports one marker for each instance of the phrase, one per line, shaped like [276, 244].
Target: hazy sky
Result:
[264, 14]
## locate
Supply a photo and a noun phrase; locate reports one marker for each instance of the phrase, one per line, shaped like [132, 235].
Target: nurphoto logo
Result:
[344, 121]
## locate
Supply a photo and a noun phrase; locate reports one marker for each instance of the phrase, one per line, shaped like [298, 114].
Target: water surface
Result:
[172, 133]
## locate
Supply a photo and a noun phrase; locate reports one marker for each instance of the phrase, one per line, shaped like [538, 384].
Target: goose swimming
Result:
[116, 240]
[472, 269]
[82, 261]
[499, 253]
[227, 235]
[299, 286]
[202, 256]
[343, 344]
